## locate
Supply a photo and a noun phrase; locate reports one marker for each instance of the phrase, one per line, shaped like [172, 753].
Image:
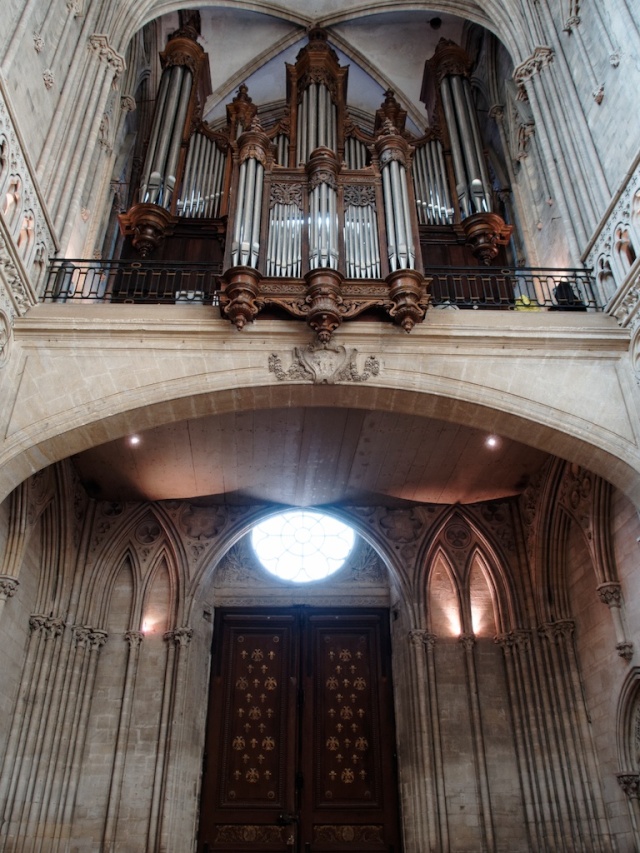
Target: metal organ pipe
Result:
[245, 247]
[451, 65]
[393, 153]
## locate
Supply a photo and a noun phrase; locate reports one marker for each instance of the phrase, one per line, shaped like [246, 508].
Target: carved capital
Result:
[610, 593]
[557, 631]
[134, 638]
[180, 637]
[625, 649]
[467, 641]
[497, 112]
[99, 44]
[630, 784]
[127, 103]
[421, 637]
[8, 586]
[539, 59]
[97, 639]
[80, 635]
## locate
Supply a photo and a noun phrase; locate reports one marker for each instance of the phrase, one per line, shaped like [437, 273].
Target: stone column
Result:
[23, 755]
[468, 641]
[425, 802]
[134, 639]
[527, 74]
[509, 645]
[583, 796]
[610, 593]
[88, 643]
[172, 790]
[159, 778]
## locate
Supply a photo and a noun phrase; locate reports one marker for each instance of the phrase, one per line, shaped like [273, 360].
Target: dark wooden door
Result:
[300, 741]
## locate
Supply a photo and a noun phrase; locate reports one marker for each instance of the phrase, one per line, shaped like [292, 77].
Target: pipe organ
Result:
[317, 216]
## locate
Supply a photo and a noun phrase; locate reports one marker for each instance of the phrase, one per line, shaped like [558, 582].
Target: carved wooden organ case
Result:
[312, 215]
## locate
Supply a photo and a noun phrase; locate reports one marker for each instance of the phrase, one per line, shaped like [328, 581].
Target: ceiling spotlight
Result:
[492, 441]
[134, 439]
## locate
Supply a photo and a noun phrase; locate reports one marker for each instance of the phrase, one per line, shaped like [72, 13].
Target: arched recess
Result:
[153, 545]
[460, 547]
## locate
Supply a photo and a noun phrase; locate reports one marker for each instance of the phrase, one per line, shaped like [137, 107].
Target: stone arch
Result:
[236, 529]
[76, 428]
[628, 723]
[479, 546]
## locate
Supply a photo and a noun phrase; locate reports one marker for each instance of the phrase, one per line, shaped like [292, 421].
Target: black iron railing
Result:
[514, 288]
[151, 282]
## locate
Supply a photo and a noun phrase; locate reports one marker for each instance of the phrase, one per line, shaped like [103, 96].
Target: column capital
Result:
[134, 638]
[99, 44]
[630, 784]
[421, 637]
[610, 593]
[8, 586]
[180, 636]
[468, 641]
[539, 59]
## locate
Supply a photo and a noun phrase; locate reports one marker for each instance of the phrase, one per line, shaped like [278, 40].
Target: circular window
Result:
[302, 546]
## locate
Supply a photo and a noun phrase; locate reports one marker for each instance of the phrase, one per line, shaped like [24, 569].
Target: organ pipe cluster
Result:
[254, 147]
[473, 187]
[181, 62]
[394, 155]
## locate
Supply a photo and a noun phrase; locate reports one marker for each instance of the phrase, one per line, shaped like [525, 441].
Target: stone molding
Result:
[29, 260]
[99, 44]
[539, 59]
[134, 638]
[617, 281]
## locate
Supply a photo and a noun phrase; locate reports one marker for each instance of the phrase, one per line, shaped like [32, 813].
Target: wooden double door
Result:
[299, 752]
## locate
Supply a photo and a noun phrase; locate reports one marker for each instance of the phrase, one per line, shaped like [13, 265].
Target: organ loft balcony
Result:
[314, 212]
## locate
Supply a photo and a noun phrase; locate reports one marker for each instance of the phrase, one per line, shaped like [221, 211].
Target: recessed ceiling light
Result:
[492, 441]
[134, 439]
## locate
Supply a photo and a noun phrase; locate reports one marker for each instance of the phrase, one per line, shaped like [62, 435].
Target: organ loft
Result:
[311, 213]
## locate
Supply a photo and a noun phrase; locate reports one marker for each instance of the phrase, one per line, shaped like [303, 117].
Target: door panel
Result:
[300, 734]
